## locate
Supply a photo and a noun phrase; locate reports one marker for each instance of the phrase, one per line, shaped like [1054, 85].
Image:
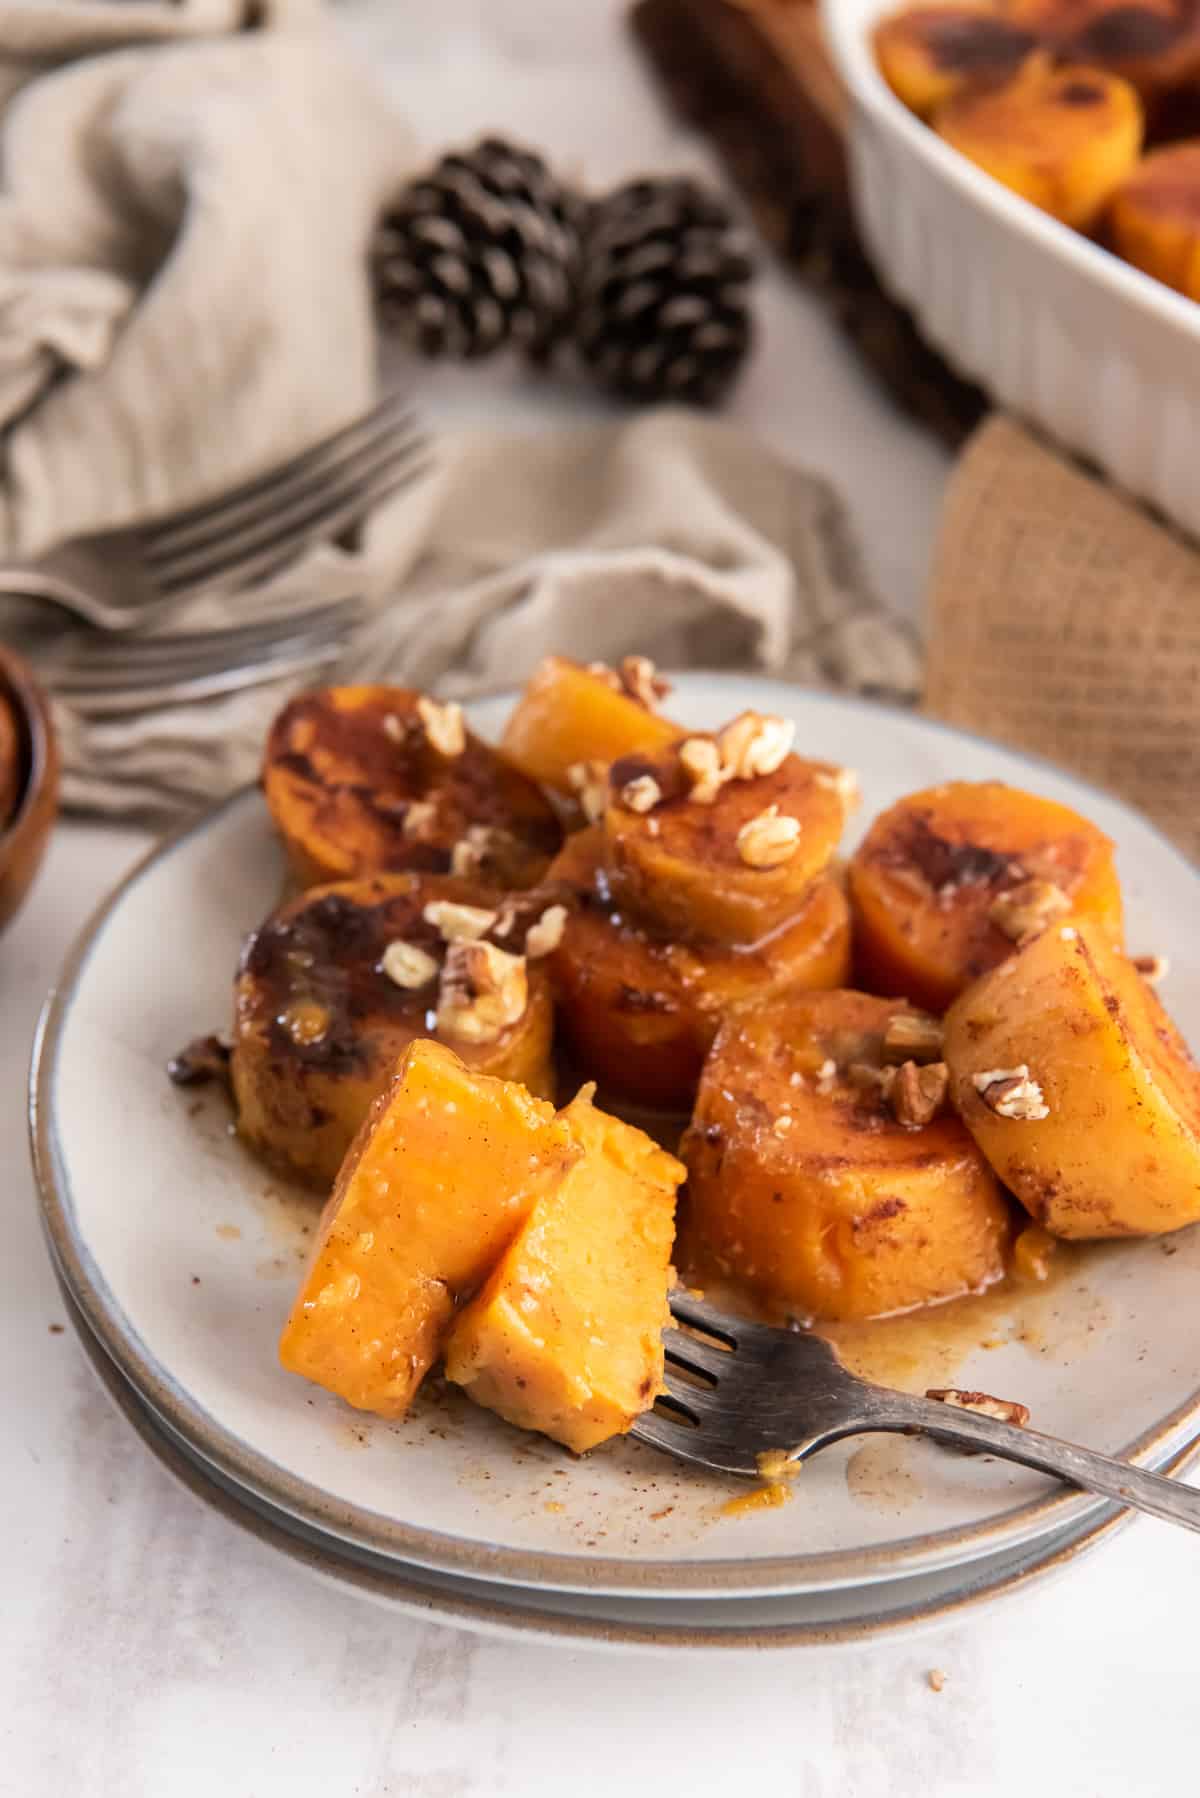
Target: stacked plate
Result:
[180, 1255]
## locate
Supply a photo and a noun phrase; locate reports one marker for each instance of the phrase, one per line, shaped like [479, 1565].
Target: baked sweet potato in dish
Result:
[440, 1178]
[1062, 138]
[569, 716]
[638, 1011]
[1154, 44]
[371, 780]
[722, 861]
[1079, 1089]
[333, 987]
[1154, 217]
[566, 1335]
[813, 1182]
[928, 54]
[949, 879]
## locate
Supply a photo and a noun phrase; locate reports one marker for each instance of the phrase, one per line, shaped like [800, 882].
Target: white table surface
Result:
[147, 1648]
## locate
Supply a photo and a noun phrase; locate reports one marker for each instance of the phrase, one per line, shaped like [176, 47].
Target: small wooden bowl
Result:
[24, 832]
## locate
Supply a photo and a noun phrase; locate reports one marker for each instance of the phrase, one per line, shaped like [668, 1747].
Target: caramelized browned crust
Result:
[639, 1011]
[319, 1025]
[805, 1186]
[927, 54]
[925, 882]
[357, 787]
[682, 867]
[1155, 44]
[1154, 218]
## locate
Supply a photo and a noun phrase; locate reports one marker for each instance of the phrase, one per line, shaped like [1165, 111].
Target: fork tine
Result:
[200, 659]
[699, 1357]
[278, 538]
[698, 1314]
[117, 702]
[134, 655]
[170, 534]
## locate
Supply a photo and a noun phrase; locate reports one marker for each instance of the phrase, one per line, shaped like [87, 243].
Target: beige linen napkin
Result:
[1065, 620]
[670, 534]
[183, 296]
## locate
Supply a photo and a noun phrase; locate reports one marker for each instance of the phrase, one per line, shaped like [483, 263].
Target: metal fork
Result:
[738, 1390]
[116, 580]
[109, 676]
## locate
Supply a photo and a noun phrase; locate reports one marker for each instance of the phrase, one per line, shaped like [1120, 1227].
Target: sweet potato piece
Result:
[568, 715]
[1154, 218]
[319, 1024]
[357, 784]
[1154, 44]
[1064, 139]
[685, 868]
[443, 1173]
[930, 871]
[566, 1336]
[1086, 1043]
[927, 54]
[639, 1013]
[804, 1188]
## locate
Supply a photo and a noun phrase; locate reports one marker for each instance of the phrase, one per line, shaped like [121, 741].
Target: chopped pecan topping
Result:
[754, 744]
[484, 990]
[485, 846]
[443, 724]
[918, 1094]
[608, 675]
[912, 1036]
[408, 965]
[458, 923]
[642, 681]
[393, 727]
[869, 1078]
[1012, 1093]
[589, 782]
[768, 840]
[1005, 1410]
[419, 817]
[642, 794]
[1025, 910]
[700, 760]
[545, 936]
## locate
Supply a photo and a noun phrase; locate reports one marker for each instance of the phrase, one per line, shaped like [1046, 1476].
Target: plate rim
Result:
[476, 1557]
[502, 1616]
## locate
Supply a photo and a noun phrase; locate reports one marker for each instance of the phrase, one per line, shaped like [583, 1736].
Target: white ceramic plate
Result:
[183, 1255]
[1099, 354]
[841, 1618]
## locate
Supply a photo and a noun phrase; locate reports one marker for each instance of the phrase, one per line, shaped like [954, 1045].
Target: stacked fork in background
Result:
[126, 587]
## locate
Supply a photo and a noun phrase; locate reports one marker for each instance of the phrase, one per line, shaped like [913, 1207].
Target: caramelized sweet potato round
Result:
[927, 54]
[639, 1012]
[803, 1186]
[370, 780]
[319, 1024]
[1155, 44]
[939, 866]
[693, 870]
[1154, 218]
[1064, 139]
[1079, 1089]
[569, 715]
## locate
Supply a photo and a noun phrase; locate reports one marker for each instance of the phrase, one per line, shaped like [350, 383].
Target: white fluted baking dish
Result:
[1100, 355]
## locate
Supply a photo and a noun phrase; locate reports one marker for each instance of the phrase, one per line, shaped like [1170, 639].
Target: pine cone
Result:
[662, 303]
[480, 252]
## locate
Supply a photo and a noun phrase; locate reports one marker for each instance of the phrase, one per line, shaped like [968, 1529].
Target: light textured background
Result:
[147, 1649]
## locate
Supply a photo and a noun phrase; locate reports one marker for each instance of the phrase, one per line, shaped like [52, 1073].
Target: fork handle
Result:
[1113, 1479]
